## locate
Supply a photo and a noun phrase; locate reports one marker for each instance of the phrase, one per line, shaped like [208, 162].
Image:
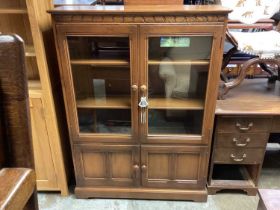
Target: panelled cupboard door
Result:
[179, 76]
[173, 166]
[107, 165]
[44, 166]
[100, 81]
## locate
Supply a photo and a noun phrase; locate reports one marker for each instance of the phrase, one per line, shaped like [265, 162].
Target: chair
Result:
[263, 47]
[17, 179]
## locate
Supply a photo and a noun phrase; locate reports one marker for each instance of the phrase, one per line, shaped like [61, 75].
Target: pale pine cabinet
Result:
[140, 86]
[29, 20]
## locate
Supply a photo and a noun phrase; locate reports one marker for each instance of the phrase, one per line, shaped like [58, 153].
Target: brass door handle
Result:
[136, 167]
[240, 144]
[249, 126]
[134, 88]
[236, 159]
[144, 167]
[143, 88]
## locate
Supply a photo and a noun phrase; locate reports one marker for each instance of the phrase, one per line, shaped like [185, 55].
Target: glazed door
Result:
[100, 81]
[179, 78]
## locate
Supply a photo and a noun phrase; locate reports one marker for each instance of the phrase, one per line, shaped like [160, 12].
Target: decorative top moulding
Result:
[139, 19]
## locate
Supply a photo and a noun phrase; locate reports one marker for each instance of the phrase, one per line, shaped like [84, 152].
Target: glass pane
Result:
[101, 77]
[105, 121]
[175, 121]
[178, 73]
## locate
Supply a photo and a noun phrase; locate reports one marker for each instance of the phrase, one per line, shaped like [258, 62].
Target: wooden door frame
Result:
[62, 31]
[212, 84]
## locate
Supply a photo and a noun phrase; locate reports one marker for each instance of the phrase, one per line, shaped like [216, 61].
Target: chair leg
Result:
[226, 60]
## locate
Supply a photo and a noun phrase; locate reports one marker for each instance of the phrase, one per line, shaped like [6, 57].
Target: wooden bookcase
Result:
[132, 135]
[29, 20]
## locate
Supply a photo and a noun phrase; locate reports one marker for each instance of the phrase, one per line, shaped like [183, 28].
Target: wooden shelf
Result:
[29, 51]
[174, 103]
[232, 184]
[179, 62]
[100, 62]
[113, 102]
[13, 10]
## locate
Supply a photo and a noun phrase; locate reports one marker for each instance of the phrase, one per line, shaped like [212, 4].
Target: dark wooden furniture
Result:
[243, 124]
[135, 134]
[17, 186]
[269, 199]
[17, 183]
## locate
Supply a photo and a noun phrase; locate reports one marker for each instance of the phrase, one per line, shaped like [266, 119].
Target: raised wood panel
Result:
[119, 160]
[97, 161]
[173, 166]
[158, 166]
[44, 166]
[106, 165]
[184, 160]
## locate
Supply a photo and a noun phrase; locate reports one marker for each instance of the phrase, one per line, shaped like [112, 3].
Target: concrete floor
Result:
[270, 178]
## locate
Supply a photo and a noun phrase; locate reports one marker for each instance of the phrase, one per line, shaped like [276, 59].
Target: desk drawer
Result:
[239, 156]
[241, 140]
[243, 124]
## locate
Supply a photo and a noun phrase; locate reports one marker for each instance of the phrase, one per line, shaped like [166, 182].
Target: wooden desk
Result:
[244, 122]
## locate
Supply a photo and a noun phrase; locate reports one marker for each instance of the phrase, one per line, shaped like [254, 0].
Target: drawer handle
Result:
[250, 125]
[240, 144]
[234, 158]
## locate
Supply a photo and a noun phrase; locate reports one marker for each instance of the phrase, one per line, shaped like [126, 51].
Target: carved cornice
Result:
[140, 19]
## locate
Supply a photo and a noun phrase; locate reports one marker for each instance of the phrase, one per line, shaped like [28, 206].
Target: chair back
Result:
[251, 11]
[15, 130]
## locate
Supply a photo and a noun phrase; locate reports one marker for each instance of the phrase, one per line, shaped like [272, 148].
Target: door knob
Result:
[134, 88]
[136, 167]
[143, 88]
[144, 167]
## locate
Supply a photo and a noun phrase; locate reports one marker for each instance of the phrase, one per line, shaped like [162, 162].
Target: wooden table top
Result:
[251, 97]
